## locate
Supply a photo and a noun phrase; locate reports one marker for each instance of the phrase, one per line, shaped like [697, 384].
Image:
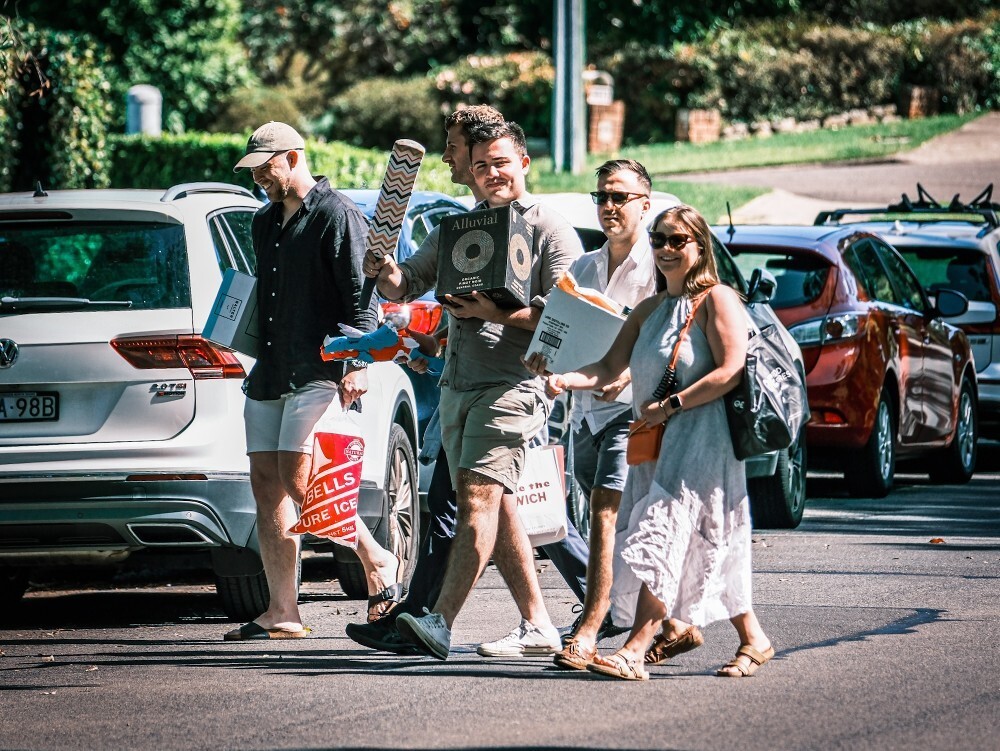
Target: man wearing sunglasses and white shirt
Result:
[622, 269]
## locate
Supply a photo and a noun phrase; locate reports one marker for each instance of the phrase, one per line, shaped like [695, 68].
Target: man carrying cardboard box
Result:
[490, 405]
[309, 242]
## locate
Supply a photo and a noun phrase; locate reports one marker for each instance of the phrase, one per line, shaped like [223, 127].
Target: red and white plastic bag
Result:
[330, 508]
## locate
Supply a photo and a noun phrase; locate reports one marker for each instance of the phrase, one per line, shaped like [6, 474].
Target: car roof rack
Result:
[187, 189]
[982, 205]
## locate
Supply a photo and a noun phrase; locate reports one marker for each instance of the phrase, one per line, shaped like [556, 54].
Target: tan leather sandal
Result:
[744, 669]
[574, 656]
[618, 666]
[662, 648]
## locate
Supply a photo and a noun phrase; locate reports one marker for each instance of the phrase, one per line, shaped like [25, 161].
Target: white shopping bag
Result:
[541, 495]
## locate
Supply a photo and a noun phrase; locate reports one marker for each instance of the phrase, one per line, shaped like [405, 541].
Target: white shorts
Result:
[288, 423]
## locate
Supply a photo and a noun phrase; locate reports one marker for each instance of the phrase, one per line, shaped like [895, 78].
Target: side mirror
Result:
[948, 303]
[761, 286]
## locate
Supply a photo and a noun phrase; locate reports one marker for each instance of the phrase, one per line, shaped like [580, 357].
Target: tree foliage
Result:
[335, 43]
[56, 112]
[189, 49]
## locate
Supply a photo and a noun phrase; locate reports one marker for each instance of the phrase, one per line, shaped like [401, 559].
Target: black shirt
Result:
[308, 281]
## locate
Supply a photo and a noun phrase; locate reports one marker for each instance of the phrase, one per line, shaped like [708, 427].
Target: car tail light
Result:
[421, 316]
[827, 417]
[818, 332]
[200, 356]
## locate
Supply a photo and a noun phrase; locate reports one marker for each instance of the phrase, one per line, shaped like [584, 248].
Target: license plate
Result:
[29, 406]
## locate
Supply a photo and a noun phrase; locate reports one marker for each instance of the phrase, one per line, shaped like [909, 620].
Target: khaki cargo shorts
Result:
[487, 430]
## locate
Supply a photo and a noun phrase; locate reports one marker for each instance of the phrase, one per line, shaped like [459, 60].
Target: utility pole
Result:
[569, 127]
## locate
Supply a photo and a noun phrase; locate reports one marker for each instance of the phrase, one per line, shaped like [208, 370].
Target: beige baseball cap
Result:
[268, 140]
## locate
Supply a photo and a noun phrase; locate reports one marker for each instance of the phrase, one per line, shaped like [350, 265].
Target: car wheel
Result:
[243, 598]
[351, 576]
[404, 500]
[956, 464]
[871, 472]
[404, 516]
[13, 584]
[241, 583]
[777, 502]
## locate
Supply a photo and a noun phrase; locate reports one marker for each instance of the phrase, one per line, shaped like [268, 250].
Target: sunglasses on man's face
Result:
[675, 241]
[601, 197]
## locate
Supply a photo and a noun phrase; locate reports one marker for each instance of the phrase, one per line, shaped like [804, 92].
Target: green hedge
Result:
[377, 111]
[961, 60]
[806, 69]
[143, 162]
[800, 66]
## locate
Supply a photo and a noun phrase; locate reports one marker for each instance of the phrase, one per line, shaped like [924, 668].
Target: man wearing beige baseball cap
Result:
[309, 242]
[269, 139]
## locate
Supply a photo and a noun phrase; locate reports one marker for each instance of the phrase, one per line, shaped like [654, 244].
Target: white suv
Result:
[121, 429]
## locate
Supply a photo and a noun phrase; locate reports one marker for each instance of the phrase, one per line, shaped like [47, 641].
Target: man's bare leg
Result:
[515, 560]
[279, 480]
[382, 568]
[604, 504]
[279, 551]
[475, 537]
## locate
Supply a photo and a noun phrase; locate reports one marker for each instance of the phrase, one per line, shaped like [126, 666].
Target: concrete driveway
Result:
[962, 162]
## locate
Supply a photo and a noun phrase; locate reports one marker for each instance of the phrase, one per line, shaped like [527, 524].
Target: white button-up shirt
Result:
[633, 281]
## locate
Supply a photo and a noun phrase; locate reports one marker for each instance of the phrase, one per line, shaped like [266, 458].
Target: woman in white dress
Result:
[682, 544]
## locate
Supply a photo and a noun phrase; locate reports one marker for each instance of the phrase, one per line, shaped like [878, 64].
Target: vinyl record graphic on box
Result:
[520, 257]
[481, 246]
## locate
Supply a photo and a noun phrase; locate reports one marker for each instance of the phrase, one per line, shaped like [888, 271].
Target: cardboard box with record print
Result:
[487, 251]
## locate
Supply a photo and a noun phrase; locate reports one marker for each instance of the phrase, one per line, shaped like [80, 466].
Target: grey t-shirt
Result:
[482, 354]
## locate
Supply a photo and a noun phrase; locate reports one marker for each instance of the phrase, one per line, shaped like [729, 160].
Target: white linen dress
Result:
[684, 523]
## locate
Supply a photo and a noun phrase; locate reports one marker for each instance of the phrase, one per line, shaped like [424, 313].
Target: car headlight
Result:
[828, 329]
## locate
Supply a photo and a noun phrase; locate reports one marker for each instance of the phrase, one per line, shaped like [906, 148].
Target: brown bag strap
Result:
[669, 379]
[695, 302]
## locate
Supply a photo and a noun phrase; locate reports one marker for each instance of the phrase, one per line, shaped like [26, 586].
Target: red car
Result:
[886, 376]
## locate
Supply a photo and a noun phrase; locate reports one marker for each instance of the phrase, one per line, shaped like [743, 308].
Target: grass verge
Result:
[860, 142]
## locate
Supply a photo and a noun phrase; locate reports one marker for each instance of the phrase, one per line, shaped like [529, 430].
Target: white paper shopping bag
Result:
[541, 495]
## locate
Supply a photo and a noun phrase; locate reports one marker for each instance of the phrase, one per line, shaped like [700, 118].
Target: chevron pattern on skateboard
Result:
[394, 196]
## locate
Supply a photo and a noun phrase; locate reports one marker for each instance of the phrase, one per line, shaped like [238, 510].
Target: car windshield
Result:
[960, 269]
[800, 276]
[143, 264]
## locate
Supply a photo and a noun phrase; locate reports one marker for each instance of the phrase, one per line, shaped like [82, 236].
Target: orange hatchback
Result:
[886, 376]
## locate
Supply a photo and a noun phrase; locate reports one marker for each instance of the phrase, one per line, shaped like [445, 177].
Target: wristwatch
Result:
[675, 403]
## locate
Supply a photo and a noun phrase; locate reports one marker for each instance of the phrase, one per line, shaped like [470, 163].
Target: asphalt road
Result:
[885, 639]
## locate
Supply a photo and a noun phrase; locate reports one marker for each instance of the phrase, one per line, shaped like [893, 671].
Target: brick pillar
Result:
[920, 101]
[606, 125]
[698, 126]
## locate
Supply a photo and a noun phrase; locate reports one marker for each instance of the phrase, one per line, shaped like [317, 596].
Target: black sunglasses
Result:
[675, 241]
[618, 199]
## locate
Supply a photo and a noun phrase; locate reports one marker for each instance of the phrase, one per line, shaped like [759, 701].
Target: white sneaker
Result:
[526, 639]
[429, 633]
